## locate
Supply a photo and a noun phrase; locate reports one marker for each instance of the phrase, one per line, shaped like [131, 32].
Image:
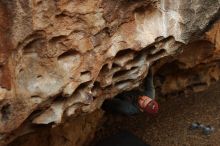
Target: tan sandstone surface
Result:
[179, 100]
[63, 58]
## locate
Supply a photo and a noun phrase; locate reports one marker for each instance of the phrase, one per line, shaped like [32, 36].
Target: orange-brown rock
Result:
[62, 58]
[195, 68]
[74, 132]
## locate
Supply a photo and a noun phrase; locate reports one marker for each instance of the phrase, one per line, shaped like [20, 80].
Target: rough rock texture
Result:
[191, 71]
[194, 69]
[62, 58]
[74, 132]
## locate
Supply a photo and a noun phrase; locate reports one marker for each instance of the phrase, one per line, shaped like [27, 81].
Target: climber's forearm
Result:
[150, 92]
[149, 86]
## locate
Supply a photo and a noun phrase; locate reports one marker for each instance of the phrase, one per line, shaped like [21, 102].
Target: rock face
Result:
[74, 132]
[194, 69]
[62, 58]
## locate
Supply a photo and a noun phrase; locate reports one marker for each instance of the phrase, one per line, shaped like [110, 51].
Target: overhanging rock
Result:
[63, 58]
